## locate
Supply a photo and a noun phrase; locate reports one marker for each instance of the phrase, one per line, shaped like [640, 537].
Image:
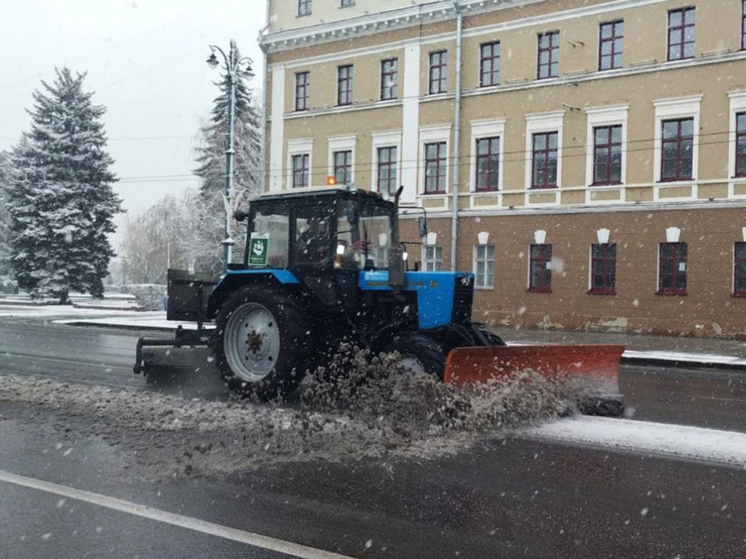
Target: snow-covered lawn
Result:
[51, 311]
[677, 441]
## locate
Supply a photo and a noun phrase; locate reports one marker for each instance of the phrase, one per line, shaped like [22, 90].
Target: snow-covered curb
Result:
[676, 441]
[149, 320]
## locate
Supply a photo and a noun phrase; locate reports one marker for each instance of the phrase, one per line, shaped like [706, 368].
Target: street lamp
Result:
[233, 66]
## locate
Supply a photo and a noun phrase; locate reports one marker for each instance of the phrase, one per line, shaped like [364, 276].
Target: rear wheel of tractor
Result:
[263, 342]
[420, 354]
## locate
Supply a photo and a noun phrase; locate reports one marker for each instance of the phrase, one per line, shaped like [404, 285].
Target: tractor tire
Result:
[420, 354]
[263, 342]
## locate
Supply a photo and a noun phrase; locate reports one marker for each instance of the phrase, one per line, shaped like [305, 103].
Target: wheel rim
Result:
[252, 342]
[412, 365]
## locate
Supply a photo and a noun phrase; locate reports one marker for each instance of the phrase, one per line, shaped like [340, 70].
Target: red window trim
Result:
[344, 167]
[609, 146]
[493, 57]
[682, 28]
[736, 260]
[546, 185]
[605, 258]
[301, 91]
[305, 8]
[344, 85]
[439, 161]
[543, 258]
[612, 40]
[739, 134]
[675, 261]
[439, 62]
[678, 141]
[389, 92]
[302, 171]
[491, 141]
[553, 50]
[390, 165]
[743, 24]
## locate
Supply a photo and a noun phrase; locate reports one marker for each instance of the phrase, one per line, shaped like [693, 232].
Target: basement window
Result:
[540, 269]
[603, 269]
[672, 269]
[739, 270]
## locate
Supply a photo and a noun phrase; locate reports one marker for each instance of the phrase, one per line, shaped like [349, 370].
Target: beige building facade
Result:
[591, 153]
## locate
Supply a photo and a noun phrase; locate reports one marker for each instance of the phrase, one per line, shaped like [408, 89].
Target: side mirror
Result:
[422, 222]
[240, 215]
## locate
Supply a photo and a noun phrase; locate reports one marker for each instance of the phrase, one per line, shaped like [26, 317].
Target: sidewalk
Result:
[645, 349]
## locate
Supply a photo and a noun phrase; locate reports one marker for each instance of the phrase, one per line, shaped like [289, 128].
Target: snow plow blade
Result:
[595, 366]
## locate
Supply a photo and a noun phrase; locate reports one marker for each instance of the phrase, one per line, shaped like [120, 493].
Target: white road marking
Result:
[256, 540]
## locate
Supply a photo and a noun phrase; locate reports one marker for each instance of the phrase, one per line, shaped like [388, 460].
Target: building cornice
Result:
[432, 12]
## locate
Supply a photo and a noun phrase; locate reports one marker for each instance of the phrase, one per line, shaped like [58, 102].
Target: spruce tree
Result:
[60, 200]
[211, 156]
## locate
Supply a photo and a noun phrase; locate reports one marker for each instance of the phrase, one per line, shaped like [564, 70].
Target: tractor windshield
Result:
[363, 235]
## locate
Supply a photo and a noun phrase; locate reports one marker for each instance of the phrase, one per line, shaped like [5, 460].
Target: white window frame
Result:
[605, 116]
[667, 109]
[481, 129]
[431, 135]
[494, 267]
[299, 147]
[434, 260]
[737, 105]
[385, 140]
[542, 123]
[341, 143]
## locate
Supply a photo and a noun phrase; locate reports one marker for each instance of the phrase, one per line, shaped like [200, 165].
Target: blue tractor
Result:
[323, 266]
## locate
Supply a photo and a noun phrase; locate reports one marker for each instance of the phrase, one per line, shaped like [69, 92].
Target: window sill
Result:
[606, 184]
[484, 288]
[601, 292]
[539, 290]
[673, 181]
[677, 293]
[486, 190]
[438, 193]
[741, 295]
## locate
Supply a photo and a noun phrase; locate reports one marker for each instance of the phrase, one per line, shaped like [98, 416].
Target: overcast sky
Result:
[145, 61]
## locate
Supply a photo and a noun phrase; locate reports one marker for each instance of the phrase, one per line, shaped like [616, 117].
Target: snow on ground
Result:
[51, 311]
[154, 320]
[677, 441]
[680, 356]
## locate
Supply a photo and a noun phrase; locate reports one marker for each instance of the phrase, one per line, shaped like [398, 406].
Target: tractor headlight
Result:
[340, 250]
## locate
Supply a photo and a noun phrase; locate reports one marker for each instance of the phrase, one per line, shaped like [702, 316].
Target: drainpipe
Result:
[456, 138]
[265, 120]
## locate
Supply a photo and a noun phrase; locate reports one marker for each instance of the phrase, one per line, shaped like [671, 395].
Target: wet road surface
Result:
[509, 498]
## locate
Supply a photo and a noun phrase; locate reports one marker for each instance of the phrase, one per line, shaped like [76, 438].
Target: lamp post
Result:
[232, 66]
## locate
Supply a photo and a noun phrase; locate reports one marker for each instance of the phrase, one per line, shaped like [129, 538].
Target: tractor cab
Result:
[314, 230]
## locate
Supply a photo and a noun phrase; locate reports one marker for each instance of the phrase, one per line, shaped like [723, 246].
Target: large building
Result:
[591, 153]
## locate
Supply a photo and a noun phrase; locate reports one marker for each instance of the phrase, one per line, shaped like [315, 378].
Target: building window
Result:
[300, 170]
[672, 269]
[489, 64]
[342, 166]
[346, 3]
[607, 155]
[304, 7]
[741, 144]
[344, 85]
[485, 266]
[540, 271]
[301, 91]
[488, 164]
[544, 154]
[433, 261]
[439, 71]
[743, 24]
[681, 34]
[386, 177]
[389, 78]
[739, 270]
[548, 55]
[610, 45]
[435, 168]
[677, 149]
[603, 269]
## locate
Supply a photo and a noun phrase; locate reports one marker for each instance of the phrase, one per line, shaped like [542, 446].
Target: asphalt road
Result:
[510, 498]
